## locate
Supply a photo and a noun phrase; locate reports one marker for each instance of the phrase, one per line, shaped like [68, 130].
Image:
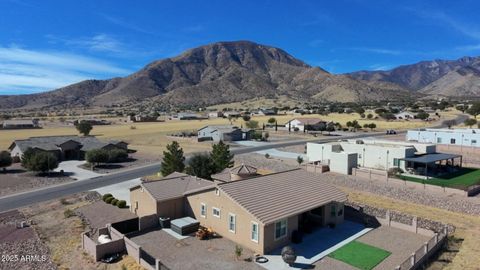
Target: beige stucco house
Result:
[259, 213]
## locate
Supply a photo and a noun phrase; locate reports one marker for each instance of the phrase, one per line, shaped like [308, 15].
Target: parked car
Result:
[391, 132]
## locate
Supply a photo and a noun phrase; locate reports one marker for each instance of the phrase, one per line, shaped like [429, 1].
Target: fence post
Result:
[445, 230]
[412, 259]
[425, 248]
[387, 216]
[415, 224]
[436, 237]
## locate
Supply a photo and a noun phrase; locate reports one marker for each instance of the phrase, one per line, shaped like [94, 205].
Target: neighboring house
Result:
[215, 114]
[460, 137]
[188, 116]
[342, 156]
[236, 173]
[263, 112]
[142, 118]
[64, 147]
[260, 213]
[301, 123]
[93, 122]
[232, 114]
[20, 124]
[405, 115]
[225, 133]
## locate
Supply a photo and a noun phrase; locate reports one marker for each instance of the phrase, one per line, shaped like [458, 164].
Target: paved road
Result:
[58, 191]
[39, 195]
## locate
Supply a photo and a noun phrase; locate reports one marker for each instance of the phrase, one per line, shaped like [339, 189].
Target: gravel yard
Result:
[18, 245]
[17, 180]
[260, 162]
[193, 254]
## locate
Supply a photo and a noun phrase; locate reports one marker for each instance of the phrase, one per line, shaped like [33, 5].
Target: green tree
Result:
[96, 156]
[423, 115]
[372, 126]
[272, 120]
[299, 160]
[369, 116]
[251, 124]
[39, 161]
[474, 109]
[470, 122]
[201, 165]
[84, 127]
[246, 117]
[5, 160]
[117, 155]
[221, 156]
[173, 159]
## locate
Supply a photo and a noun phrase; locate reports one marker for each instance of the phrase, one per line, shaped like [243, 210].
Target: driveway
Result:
[72, 169]
[121, 190]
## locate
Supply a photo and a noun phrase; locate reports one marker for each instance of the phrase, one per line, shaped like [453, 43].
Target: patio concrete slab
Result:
[121, 190]
[317, 245]
[272, 152]
[72, 169]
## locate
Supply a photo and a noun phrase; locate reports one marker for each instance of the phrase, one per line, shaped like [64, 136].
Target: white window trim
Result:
[219, 212]
[258, 232]
[234, 222]
[275, 230]
[203, 206]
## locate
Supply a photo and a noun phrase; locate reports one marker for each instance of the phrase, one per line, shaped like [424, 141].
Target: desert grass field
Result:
[151, 138]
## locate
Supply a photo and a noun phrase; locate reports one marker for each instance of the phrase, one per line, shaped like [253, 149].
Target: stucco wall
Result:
[242, 233]
[147, 205]
[172, 208]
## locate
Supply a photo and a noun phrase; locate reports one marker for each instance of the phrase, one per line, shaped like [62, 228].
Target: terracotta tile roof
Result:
[280, 195]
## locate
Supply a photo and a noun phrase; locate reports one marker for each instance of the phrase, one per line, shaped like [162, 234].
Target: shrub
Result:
[114, 201]
[5, 159]
[105, 196]
[117, 155]
[38, 161]
[238, 251]
[121, 204]
[68, 213]
[109, 199]
[97, 156]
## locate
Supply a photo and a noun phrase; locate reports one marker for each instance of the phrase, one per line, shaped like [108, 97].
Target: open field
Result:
[461, 180]
[467, 226]
[150, 138]
[360, 255]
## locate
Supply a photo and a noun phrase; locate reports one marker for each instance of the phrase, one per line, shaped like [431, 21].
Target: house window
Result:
[439, 140]
[452, 141]
[254, 235]
[280, 229]
[333, 210]
[216, 212]
[396, 162]
[203, 210]
[232, 222]
[474, 141]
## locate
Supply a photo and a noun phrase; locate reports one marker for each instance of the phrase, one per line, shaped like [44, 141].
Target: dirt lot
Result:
[61, 234]
[17, 179]
[99, 213]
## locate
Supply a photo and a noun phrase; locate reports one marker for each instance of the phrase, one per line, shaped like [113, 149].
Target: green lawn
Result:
[462, 179]
[360, 255]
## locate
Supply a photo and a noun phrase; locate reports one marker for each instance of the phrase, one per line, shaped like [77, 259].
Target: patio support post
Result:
[461, 161]
[426, 170]
[412, 259]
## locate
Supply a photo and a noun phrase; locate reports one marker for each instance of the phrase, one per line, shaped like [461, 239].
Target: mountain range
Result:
[226, 72]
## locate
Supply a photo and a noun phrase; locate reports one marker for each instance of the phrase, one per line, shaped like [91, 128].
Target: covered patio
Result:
[432, 165]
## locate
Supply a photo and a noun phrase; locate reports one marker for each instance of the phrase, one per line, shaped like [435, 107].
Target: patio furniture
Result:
[288, 255]
[184, 226]
[164, 222]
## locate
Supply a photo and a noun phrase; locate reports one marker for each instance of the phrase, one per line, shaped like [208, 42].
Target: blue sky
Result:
[48, 44]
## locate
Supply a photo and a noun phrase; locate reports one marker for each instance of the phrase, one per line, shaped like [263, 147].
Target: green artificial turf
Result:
[461, 180]
[360, 255]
